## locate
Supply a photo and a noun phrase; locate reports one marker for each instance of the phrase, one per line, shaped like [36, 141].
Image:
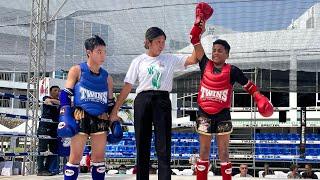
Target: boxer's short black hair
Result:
[224, 43]
[93, 42]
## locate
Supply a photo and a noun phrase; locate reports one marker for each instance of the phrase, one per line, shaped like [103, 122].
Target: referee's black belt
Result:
[155, 92]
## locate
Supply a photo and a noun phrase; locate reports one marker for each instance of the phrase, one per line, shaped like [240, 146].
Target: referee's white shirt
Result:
[154, 73]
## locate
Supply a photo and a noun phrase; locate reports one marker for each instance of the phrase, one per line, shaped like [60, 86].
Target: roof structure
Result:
[123, 25]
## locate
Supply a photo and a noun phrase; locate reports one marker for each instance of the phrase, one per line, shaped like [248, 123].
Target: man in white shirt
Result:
[243, 171]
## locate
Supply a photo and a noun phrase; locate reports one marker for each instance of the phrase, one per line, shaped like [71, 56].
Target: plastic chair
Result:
[311, 152]
[258, 136]
[283, 136]
[273, 136]
[258, 151]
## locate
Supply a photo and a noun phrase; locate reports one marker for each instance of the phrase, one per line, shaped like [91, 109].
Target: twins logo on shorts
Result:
[203, 124]
[224, 128]
[66, 142]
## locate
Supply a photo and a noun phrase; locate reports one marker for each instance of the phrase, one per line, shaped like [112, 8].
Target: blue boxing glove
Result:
[67, 126]
[116, 133]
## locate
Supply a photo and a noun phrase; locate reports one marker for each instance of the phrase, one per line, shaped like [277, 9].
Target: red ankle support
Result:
[226, 171]
[202, 170]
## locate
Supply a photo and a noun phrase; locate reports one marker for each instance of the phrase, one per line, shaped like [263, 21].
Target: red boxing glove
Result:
[265, 108]
[203, 12]
[195, 35]
[250, 87]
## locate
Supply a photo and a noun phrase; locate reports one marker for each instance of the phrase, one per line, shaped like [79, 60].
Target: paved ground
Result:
[108, 177]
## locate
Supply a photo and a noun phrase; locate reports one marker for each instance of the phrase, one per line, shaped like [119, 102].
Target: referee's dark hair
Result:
[153, 33]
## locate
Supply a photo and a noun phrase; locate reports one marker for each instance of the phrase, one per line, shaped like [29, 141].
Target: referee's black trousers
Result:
[153, 107]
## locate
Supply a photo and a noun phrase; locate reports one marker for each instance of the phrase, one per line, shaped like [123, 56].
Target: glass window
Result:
[306, 99]
[306, 82]
[280, 99]
[96, 30]
[69, 46]
[242, 100]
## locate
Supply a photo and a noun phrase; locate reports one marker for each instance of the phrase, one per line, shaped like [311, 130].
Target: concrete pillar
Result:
[293, 88]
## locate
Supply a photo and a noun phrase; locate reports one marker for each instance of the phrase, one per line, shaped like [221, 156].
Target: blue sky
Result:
[258, 15]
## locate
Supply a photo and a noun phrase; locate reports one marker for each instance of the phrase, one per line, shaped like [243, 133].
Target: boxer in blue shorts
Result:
[92, 89]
